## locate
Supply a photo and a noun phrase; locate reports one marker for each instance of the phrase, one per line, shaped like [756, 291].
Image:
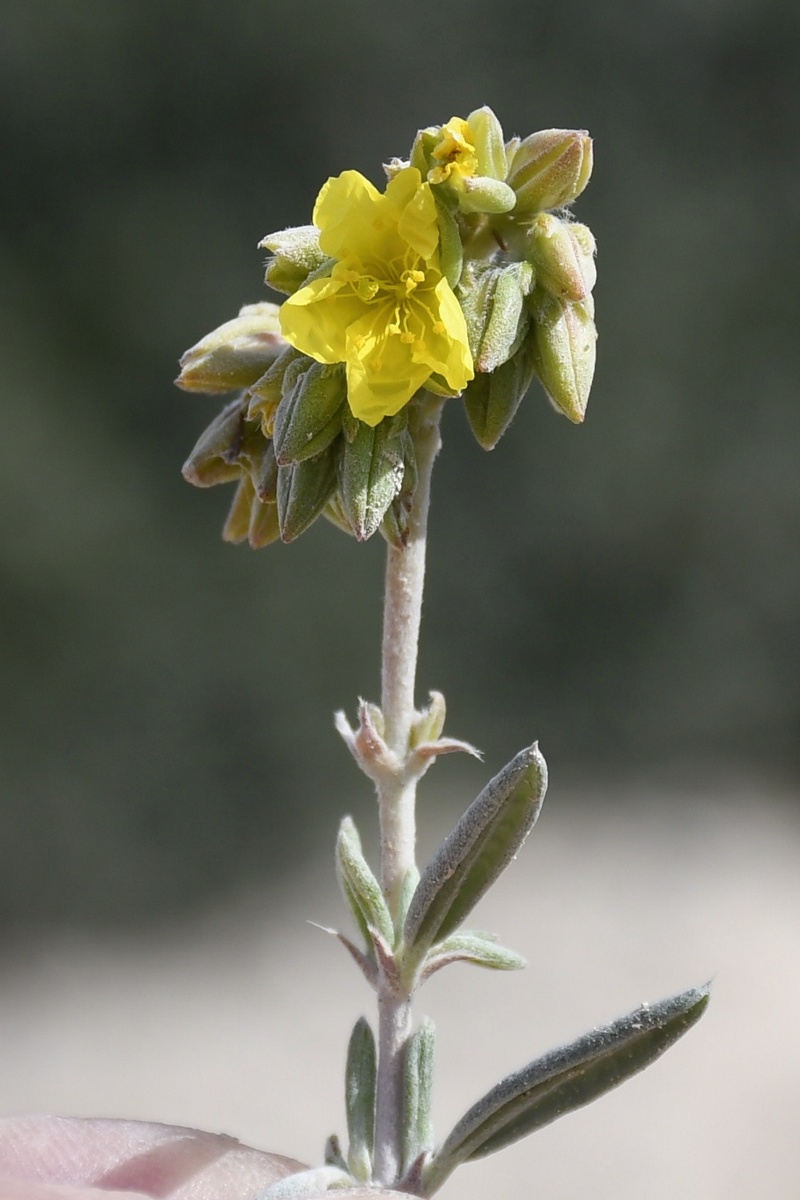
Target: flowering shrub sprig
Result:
[458, 280]
[466, 277]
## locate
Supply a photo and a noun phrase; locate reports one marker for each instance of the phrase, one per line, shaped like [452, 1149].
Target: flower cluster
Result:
[465, 277]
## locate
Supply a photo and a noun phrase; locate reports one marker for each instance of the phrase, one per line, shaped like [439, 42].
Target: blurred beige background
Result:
[221, 1023]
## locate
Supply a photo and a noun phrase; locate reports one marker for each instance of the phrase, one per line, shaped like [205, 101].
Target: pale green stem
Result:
[405, 573]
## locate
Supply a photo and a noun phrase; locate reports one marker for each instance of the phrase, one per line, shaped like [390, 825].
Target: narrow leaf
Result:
[359, 1089]
[477, 851]
[565, 1079]
[417, 1128]
[475, 948]
[360, 887]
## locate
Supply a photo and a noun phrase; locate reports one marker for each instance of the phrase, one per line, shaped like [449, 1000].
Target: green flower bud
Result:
[550, 169]
[451, 249]
[491, 401]
[487, 138]
[309, 416]
[236, 354]
[296, 255]
[230, 447]
[304, 488]
[492, 299]
[563, 345]
[563, 255]
[268, 391]
[480, 194]
[249, 519]
[371, 473]
[394, 526]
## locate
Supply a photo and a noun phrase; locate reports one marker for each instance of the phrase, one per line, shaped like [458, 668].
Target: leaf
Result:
[477, 948]
[417, 1128]
[565, 1079]
[477, 851]
[360, 887]
[359, 1089]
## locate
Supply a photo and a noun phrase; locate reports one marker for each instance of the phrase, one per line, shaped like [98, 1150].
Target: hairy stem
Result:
[405, 573]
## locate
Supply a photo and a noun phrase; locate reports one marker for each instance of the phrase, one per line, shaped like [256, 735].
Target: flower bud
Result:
[236, 354]
[487, 138]
[480, 194]
[267, 392]
[491, 401]
[304, 489]
[371, 473]
[563, 255]
[230, 447]
[309, 417]
[492, 300]
[249, 519]
[550, 168]
[296, 255]
[563, 345]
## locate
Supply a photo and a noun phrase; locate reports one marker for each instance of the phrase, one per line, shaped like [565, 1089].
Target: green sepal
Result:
[360, 888]
[304, 489]
[371, 473]
[296, 254]
[417, 1124]
[479, 949]
[236, 354]
[249, 519]
[359, 1092]
[309, 415]
[480, 194]
[563, 346]
[487, 138]
[214, 458]
[493, 302]
[491, 401]
[266, 393]
[476, 852]
[451, 249]
[565, 1079]
[394, 526]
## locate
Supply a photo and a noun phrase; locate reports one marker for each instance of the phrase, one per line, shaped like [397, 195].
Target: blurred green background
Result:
[628, 592]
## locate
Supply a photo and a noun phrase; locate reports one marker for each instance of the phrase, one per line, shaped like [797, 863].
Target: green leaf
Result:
[476, 851]
[417, 1127]
[360, 1075]
[360, 887]
[565, 1079]
[480, 949]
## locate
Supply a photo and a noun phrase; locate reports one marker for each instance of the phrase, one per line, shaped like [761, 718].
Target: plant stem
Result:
[405, 574]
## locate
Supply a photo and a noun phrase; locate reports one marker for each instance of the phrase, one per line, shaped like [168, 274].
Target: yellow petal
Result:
[418, 224]
[381, 373]
[344, 213]
[315, 319]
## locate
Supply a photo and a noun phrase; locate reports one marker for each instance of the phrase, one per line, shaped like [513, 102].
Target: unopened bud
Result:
[487, 138]
[309, 417]
[249, 519]
[563, 344]
[268, 391]
[304, 489]
[481, 194]
[563, 255]
[296, 254]
[230, 447]
[491, 401]
[550, 169]
[492, 299]
[371, 473]
[236, 354]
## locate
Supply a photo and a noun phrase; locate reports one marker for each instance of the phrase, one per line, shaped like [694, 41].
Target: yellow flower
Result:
[455, 155]
[385, 310]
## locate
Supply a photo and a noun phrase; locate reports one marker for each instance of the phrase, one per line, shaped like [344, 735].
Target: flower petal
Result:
[316, 318]
[344, 212]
